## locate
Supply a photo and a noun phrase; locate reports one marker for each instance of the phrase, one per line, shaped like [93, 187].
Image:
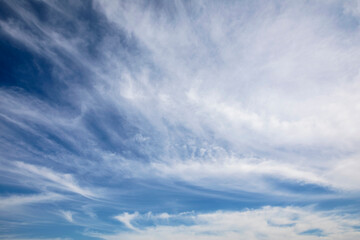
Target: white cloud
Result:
[285, 90]
[68, 215]
[235, 174]
[277, 86]
[126, 219]
[45, 177]
[19, 200]
[264, 223]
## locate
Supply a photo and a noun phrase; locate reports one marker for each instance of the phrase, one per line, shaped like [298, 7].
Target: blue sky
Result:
[179, 120]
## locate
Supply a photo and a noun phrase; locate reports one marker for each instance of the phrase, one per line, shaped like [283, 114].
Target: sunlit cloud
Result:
[274, 222]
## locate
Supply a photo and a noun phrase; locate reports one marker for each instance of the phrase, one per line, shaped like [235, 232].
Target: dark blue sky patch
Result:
[6, 190]
[22, 69]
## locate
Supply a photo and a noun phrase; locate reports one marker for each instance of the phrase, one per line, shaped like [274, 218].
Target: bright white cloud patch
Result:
[286, 80]
[126, 219]
[264, 223]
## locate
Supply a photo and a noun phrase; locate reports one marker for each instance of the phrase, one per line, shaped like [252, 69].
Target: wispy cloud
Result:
[68, 215]
[19, 200]
[126, 219]
[48, 178]
[267, 222]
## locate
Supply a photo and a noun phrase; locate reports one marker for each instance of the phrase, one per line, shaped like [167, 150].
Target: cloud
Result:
[126, 219]
[68, 215]
[42, 39]
[240, 109]
[267, 222]
[19, 200]
[44, 177]
[285, 99]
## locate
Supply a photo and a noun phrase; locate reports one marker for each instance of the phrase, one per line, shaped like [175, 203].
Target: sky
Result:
[198, 120]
